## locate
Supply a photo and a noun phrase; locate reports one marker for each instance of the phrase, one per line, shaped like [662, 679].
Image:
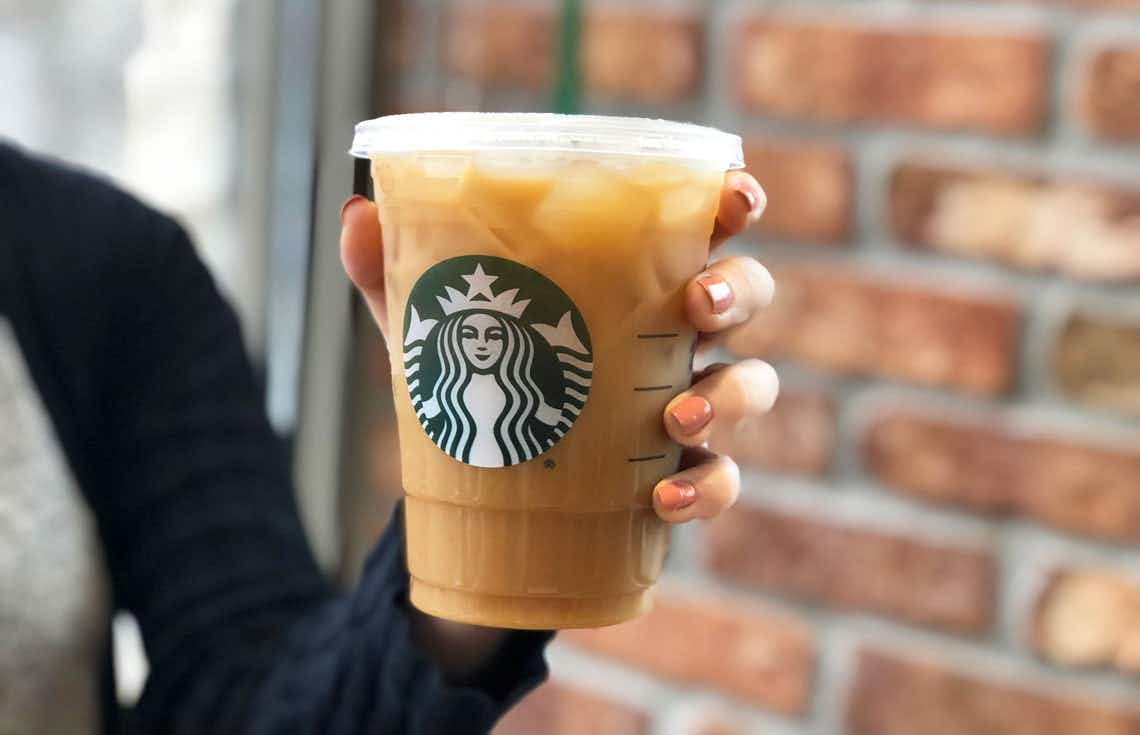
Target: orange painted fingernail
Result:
[347, 203]
[719, 292]
[676, 494]
[691, 414]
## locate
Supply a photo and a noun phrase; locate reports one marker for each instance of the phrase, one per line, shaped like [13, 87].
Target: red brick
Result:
[720, 727]
[1089, 617]
[848, 322]
[1118, 4]
[1109, 100]
[558, 709]
[651, 57]
[1082, 229]
[1059, 481]
[699, 717]
[899, 696]
[1079, 5]
[797, 435]
[400, 35]
[408, 101]
[809, 189]
[944, 79]
[1098, 361]
[847, 567]
[501, 42]
[762, 657]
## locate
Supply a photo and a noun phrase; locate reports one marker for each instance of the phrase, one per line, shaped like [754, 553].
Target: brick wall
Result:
[940, 525]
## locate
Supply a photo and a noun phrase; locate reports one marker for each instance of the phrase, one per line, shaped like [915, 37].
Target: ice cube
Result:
[440, 177]
[383, 177]
[657, 173]
[590, 207]
[444, 166]
[503, 195]
[687, 207]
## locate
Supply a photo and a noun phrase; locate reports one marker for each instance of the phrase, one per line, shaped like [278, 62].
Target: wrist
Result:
[460, 650]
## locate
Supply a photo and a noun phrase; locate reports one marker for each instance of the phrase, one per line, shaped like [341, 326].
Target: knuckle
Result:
[748, 277]
[731, 265]
[749, 386]
[761, 285]
[721, 485]
[760, 383]
[734, 382]
[710, 371]
[764, 285]
[731, 472]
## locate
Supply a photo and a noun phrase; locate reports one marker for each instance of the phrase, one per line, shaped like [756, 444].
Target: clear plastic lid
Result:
[588, 134]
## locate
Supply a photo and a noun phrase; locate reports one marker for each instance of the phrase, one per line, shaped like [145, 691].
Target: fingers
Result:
[360, 244]
[729, 292]
[708, 370]
[742, 202]
[722, 398]
[362, 254]
[722, 395]
[703, 490]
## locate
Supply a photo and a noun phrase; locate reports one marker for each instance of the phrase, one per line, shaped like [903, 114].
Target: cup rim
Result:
[547, 132]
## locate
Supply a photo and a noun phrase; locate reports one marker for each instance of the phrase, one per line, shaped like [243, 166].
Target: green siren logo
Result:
[495, 379]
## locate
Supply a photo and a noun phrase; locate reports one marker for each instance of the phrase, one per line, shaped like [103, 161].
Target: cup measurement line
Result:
[658, 335]
[646, 459]
[652, 387]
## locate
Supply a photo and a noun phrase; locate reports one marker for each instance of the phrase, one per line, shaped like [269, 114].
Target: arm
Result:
[205, 546]
[353, 666]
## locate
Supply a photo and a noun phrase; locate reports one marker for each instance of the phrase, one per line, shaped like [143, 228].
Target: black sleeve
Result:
[205, 547]
[353, 668]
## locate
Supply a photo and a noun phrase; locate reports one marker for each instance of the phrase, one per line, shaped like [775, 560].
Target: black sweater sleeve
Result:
[194, 504]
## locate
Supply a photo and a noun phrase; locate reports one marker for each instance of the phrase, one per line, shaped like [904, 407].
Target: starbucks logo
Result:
[495, 378]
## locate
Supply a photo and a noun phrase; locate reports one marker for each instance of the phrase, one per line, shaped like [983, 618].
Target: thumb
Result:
[362, 254]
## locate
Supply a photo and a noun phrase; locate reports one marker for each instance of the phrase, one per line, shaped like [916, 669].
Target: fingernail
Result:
[692, 413]
[347, 203]
[755, 199]
[750, 198]
[719, 292]
[676, 494]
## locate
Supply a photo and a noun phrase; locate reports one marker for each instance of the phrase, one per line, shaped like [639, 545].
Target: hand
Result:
[727, 294]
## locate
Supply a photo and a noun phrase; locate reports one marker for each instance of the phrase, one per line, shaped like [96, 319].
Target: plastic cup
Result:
[535, 267]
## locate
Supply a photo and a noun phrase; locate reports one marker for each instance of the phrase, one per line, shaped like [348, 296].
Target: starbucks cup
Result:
[535, 266]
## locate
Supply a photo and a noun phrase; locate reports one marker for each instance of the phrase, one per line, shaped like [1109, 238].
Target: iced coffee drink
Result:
[535, 268]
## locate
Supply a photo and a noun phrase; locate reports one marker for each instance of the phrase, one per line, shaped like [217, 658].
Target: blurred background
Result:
[940, 520]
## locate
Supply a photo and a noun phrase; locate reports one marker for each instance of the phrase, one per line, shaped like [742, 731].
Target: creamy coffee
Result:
[537, 331]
